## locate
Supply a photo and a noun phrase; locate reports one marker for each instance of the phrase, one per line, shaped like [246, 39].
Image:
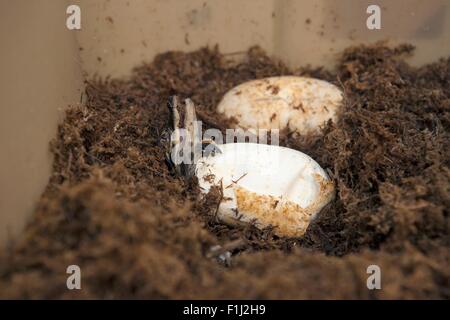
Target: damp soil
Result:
[113, 207]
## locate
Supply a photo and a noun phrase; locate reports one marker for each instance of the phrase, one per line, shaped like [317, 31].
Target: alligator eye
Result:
[209, 148]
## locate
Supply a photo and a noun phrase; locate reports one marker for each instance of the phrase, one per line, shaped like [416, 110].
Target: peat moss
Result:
[113, 207]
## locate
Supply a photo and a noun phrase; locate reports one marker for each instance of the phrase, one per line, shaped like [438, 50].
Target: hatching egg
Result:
[266, 185]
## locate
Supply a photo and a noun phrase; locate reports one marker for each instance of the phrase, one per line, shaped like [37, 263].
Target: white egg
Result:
[266, 185]
[298, 103]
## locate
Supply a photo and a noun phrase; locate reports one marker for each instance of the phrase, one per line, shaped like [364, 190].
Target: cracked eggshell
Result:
[266, 185]
[298, 103]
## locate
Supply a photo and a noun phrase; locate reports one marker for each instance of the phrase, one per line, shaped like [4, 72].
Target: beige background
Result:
[40, 75]
[42, 62]
[118, 34]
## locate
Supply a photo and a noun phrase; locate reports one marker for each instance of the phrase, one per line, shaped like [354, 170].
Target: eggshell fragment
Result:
[266, 185]
[298, 103]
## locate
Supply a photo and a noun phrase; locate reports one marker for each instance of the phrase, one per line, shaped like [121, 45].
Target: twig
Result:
[220, 200]
[229, 246]
[239, 178]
